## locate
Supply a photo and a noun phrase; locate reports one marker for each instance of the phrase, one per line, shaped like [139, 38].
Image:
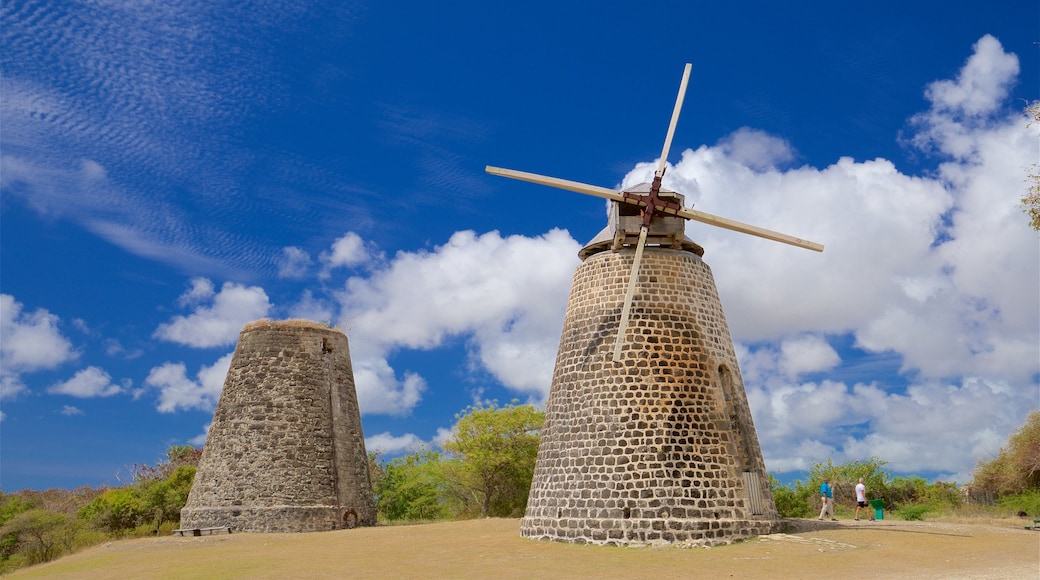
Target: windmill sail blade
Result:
[626, 310]
[741, 227]
[675, 119]
[576, 186]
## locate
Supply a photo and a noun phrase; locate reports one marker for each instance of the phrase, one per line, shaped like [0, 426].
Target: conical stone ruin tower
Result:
[659, 447]
[648, 437]
[285, 452]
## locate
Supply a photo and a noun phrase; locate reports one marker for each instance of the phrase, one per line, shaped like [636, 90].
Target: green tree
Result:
[493, 451]
[1031, 201]
[843, 479]
[177, 456]
[116, 511]
[164, 499]
[41, 535]
[414, 488]
[792, 502]
[375, 470]
[906, 490]
[11, 506]
[1016, 468]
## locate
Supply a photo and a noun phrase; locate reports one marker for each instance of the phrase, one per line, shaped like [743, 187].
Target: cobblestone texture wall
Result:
[659, 448]
[286, 452]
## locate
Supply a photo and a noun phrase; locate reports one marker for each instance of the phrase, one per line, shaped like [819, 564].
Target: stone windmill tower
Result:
[285, 452]
[648, 436]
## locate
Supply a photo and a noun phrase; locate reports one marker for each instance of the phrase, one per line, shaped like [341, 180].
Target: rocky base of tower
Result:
[633, 532]
[275, 519]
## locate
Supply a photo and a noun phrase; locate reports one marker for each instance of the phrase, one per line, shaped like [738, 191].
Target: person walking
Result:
[861, 498]
[827, 497]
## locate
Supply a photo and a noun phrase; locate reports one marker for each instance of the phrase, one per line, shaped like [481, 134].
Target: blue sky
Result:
[171, 171]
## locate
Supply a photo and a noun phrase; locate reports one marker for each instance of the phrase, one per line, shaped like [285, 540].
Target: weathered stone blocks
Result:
[665, 437]
[285, 452]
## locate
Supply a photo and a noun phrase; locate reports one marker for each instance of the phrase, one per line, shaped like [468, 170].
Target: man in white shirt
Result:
[861, 498]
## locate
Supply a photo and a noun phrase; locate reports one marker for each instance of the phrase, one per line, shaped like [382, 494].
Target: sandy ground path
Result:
[492, 548]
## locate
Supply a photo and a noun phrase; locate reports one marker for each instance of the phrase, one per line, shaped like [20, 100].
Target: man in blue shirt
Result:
[827, 497]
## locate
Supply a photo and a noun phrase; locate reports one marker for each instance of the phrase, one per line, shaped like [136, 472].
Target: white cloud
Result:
[200, 439]
[505, 296]
[31, 342]
[387, 444]
[70, 411]
[962, 106]
[806, 354]
[443, 434]
[380, 391]
[200, 291]
[347, 251]
[87, 383]
[220, 323]
[981, 86]
[82, 326]
[114, 348]
[756, 149]
[309, 307]
[932, 426]
[293, 263]
[178, 392]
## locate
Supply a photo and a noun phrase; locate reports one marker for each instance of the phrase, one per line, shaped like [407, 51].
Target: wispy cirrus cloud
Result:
[104, 123]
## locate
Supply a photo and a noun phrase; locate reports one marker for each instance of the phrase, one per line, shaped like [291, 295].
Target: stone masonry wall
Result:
[285, 452]
[661, 447]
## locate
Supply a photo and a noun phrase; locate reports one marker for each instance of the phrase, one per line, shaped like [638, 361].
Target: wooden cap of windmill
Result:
[625, 220]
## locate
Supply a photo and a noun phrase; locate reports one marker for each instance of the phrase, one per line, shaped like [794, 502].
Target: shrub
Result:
[913, 512]
[412, 488]
[41, 535]
[791, 503]
[115, 511]
[1017, 467]
[1027, 501]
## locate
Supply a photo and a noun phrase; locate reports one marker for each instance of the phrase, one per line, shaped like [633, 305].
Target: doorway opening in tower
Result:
[741, 433]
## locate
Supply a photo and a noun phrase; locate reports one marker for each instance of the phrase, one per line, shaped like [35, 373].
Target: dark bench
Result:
[202, 531]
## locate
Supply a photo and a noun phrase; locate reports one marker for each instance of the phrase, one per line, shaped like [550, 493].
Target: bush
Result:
[164, 499]
[11, 506]
[1017, 467]
[412, 488]
[38, 526]
[791, 503]
[843, 479]
[913, 512]
[1027, 501]
[41, 535]
[115, 511]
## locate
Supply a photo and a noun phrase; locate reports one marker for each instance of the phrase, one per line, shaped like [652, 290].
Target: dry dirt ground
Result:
[492, 548]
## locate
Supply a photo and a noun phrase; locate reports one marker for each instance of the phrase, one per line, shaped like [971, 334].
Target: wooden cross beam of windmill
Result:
[651, 205]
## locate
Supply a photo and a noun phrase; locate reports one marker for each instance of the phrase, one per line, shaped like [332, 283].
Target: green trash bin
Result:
[878, 504]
